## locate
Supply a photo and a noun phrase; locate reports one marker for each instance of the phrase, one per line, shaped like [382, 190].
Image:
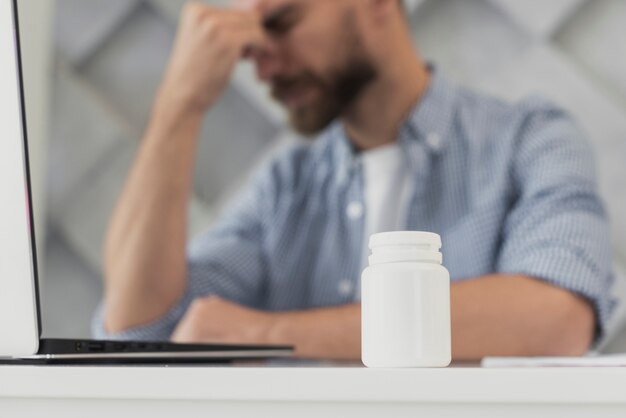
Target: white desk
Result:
[182, 392]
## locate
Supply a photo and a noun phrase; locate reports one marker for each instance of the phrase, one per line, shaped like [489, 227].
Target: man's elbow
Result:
[571, 329]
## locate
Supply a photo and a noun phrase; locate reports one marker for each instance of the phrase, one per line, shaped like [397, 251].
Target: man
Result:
[510, 188]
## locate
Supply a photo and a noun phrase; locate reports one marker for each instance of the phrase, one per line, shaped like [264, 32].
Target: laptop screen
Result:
[18, 298]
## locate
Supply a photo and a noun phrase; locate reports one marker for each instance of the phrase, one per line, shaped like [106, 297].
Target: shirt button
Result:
[345, 287]
[354, 210]
[434, 140]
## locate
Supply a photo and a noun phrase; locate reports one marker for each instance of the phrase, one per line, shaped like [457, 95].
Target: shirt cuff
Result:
[159, 330]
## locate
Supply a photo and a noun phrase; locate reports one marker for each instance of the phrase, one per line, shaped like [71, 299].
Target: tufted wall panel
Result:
[110, 55]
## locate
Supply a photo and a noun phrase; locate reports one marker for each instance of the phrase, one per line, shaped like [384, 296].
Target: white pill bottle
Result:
[405, 302]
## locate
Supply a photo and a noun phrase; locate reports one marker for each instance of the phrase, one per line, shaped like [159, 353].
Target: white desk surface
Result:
[69, 391]
[455, 384]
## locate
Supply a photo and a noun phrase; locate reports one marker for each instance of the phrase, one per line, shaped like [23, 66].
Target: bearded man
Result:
[394, 146]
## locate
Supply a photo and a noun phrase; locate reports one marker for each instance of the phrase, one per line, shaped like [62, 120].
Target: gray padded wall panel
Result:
[111, 54]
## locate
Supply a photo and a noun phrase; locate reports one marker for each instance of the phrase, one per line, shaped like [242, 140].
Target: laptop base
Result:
[95, 352]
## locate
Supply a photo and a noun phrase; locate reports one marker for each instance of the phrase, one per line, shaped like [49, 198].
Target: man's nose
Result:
[268, 60]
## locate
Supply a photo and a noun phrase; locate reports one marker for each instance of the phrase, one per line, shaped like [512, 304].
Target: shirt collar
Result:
[431, 120]
[427, 127]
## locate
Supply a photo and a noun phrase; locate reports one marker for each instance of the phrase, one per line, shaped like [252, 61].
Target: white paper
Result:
[611, 360]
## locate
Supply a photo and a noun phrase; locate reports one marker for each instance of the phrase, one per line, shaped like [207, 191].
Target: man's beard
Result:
[335, 92]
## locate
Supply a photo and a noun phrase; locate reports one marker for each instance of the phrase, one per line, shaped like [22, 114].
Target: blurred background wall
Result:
[108, 57]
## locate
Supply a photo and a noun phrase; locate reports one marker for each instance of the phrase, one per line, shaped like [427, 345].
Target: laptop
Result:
[20, 317]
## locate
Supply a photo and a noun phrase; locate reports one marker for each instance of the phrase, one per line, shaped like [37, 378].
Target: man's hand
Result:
[209, 44]
[328, 333]
[214, 320]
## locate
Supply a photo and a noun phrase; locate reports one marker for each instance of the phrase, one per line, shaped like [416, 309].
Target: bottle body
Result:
[405, 311]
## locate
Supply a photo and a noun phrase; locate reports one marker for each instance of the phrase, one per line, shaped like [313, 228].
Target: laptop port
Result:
[95, 346]
[119, 346]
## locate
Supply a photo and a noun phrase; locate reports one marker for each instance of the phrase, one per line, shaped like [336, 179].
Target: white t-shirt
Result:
[387, 190]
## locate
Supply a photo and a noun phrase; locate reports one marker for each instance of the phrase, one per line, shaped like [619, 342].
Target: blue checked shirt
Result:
[510, 188]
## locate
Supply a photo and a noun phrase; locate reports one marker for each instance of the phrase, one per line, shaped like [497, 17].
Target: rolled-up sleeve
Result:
[226, 261]
[557, 230]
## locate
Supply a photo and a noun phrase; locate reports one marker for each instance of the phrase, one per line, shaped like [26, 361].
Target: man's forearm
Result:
[494, 315]
[145, 245]
[503, 315]
[145, 263]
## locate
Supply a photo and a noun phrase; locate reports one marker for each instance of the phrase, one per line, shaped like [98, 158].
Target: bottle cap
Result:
[398, 246]
[428, 240]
